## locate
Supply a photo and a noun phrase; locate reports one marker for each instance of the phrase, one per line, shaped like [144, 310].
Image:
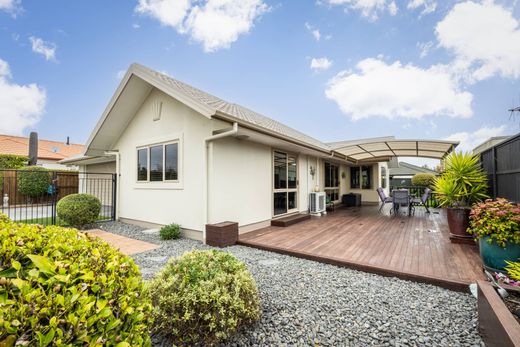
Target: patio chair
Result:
[422, 200]
[401, 198]
[384, 199]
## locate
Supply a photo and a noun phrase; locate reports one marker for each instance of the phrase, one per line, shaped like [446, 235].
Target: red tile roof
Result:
[49, 150]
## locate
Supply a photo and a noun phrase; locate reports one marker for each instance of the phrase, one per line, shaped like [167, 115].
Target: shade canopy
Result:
[383, 149]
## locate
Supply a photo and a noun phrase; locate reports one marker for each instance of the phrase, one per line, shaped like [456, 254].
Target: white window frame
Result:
[339, 180]
[286, 190]
[148, 158]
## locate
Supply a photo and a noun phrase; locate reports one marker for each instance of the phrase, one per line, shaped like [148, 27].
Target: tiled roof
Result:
[51, 150]
[236, 111]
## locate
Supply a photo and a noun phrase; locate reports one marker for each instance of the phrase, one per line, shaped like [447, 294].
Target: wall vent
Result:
[157, 109]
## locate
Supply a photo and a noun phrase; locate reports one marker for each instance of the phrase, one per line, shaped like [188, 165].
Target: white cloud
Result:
[470, 140]
[484, 38]
[396, 90]
[425, 48]
[47, 49]
[13, 7]
[215, 24]
[320, 63]
[428, 6]
[315, 32]
[136, 26]
[368, 8]
[21, 106]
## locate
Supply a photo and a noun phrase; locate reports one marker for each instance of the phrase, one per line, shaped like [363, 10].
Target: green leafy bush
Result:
[423, 180]
[463, 182]
[499, 219]
[78, 209]
[60, 287]
[33, 181]
[170, 232]
[203, 297]
[12, 161]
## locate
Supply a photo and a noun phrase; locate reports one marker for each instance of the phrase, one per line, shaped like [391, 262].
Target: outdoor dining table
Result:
[401, 197]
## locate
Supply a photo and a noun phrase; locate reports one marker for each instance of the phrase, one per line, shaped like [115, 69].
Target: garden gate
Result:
[30, 195]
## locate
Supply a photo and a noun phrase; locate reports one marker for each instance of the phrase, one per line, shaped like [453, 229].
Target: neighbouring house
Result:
[182, 155]
[492, 141]
[49, 152]
[402, 173]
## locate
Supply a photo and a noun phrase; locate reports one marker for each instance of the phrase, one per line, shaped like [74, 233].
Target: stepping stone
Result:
[151, 231]
[126, 245]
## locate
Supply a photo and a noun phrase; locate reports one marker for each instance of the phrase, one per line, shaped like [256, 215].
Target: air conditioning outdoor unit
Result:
[317, 202]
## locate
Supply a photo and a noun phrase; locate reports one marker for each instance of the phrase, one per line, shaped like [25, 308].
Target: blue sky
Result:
[334, 69]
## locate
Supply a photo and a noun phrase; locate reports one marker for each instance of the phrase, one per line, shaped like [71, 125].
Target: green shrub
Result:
[170, 232]
[499, 219]
[425, 180]
[12, 161]
[78, 209]
[59, 287]
[33, 181]
[203, 297]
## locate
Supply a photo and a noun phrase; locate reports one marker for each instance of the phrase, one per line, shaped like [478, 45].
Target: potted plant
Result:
[496, 224]
[462, 184]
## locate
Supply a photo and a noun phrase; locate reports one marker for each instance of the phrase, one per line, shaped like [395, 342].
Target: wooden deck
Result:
[415, 248]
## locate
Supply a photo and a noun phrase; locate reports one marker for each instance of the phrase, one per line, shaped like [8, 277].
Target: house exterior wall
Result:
[96, 179]
[159, 202]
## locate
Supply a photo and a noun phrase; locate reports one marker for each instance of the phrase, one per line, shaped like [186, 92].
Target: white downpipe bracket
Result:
[208, 158]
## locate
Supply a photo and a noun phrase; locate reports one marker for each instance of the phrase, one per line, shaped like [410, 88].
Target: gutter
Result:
[208, 159]
[118, 176]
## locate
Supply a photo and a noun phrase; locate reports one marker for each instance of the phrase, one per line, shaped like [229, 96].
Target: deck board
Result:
[390, 245]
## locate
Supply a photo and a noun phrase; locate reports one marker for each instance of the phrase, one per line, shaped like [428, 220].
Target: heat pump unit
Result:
[317, 202]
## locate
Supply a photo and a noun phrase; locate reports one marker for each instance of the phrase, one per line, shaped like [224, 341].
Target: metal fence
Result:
[418, 192]
[502, 164]
[32, 196]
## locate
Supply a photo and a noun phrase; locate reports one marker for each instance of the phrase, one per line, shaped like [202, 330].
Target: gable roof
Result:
[202, 102]
[47, 149]
[407, 169]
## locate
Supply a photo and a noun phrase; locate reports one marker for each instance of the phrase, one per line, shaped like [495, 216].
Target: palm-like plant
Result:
[463, 182]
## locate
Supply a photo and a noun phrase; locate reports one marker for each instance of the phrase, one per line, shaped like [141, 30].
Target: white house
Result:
[188, 157]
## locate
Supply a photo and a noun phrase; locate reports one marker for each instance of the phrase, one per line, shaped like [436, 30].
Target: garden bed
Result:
[497, 325]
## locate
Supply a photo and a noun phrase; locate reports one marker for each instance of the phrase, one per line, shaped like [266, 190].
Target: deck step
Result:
[290, 220]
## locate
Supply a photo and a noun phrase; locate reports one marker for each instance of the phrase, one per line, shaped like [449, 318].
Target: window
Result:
[354, 177]
[366, 177]
[332, 181]
[383, 177]
[285, 170]
[158, 163]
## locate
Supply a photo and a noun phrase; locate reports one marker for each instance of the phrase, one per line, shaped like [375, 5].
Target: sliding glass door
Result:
[285, 170]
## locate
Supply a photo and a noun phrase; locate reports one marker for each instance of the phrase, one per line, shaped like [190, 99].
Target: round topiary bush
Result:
[423, 180]
[203, 297]
[170, 232]
[78, 209]
[59, 287]
[33, 181]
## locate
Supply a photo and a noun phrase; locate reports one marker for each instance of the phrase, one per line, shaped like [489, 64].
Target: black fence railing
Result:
[502, 165]
[418, 192]
[32, 196]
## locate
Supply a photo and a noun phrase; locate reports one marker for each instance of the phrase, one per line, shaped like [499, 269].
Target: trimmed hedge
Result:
[78, 209]
[61, 287]
[425, 180]
[170, 232]
[12, 161]
[203, 297]
[33, 181]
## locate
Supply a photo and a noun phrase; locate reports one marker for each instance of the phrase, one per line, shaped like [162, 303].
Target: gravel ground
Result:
[306, 303]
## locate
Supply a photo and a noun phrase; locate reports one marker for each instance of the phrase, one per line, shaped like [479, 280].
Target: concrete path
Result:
[125, 244]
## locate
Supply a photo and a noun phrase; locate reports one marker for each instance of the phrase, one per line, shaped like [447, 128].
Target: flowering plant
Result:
[499, 219]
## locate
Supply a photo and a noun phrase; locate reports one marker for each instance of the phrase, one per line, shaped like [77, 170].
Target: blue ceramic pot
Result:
[494, 257]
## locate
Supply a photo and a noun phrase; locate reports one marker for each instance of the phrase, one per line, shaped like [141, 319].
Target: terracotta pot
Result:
[458, 221]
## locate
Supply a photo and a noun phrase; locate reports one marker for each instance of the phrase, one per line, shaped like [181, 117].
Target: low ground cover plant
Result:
[78, 209]
[60, 287]
[170, 232]
[203, 297]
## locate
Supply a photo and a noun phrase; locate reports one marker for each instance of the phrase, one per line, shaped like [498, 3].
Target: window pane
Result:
[142, 164]
[156, 163]
[354, 177]
[335, 176]
[280, 203]
[170, 162]
[292, 170]
[327, 175]
[292, 200]
[366, 177]
[280, 170]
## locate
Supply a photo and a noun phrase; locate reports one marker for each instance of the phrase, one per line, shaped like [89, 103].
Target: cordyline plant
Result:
[499, 219]
[463, 182]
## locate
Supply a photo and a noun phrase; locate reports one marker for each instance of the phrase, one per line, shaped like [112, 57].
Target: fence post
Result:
[54, 198]
[114, 196]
